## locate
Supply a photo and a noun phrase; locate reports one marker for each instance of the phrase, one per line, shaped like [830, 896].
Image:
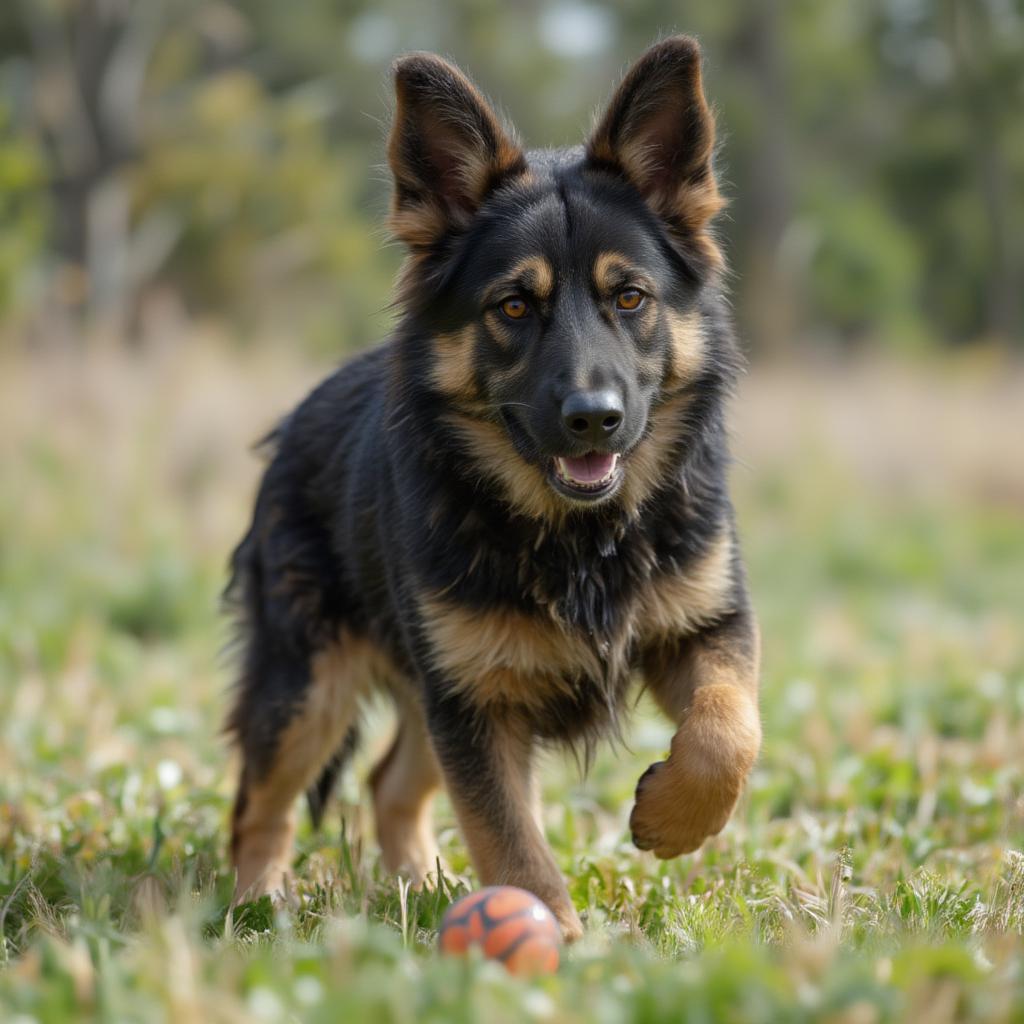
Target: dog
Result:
[515, 509]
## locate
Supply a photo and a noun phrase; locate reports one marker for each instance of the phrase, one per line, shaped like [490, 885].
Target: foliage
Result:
[23, 211]
[230, 152]
[263, 205]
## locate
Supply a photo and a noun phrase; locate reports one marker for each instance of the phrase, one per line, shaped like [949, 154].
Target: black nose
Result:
[592, 415]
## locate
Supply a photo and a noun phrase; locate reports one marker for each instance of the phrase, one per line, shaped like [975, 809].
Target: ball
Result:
[506, 924]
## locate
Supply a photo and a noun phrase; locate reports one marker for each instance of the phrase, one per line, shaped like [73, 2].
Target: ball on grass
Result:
[506, 924]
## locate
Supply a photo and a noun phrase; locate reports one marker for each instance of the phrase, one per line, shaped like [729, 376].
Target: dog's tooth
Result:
[563, 472]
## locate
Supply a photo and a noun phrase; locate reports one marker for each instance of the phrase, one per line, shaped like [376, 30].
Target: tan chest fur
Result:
[509, 657]
[506, 656]
[673, 605]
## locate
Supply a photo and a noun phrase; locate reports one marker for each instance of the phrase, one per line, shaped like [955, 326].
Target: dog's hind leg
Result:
[318, 795]
[289, 720]
[404, 784]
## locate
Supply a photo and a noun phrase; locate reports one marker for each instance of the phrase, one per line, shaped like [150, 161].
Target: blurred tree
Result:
[229, 152]
[987, 44]
[23, 215]
[89, 61]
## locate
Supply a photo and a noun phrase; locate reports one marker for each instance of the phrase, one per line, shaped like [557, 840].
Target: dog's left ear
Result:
[447, 150]
[660, 134]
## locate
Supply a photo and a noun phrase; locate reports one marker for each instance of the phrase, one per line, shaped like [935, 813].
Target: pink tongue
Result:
[588, 469]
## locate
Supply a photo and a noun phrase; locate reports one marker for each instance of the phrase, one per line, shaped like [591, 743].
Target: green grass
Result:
[873, 871]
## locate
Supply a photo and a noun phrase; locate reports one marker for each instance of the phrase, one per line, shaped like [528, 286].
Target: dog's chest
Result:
[563, 617]
[579, 637]
[505, 656]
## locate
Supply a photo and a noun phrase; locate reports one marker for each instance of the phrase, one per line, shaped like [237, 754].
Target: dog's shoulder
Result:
[344, 404]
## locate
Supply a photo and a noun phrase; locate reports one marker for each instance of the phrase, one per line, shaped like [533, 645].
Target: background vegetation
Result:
[190, 199]
[223, 156]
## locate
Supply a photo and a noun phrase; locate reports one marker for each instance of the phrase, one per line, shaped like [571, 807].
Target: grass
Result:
[872, 873]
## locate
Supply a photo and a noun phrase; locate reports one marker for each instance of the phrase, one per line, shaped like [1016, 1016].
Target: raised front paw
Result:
[673, 815]
[682, 801]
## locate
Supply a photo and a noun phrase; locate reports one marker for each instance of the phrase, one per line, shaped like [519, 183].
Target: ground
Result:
[872, 872]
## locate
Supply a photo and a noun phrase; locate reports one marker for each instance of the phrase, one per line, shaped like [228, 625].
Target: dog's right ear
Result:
[447, 150]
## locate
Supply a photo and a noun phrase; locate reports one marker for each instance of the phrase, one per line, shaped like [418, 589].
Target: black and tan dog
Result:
[516, 507]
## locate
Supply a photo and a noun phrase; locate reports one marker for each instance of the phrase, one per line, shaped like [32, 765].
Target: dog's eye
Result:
[629, 299]
[515, 308]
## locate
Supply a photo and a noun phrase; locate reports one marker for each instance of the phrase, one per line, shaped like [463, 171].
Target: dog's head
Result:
[561, 292]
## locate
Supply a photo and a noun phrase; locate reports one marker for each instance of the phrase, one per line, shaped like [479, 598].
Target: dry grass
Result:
[872, 873]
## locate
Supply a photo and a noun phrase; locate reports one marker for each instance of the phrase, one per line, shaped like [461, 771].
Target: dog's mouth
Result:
[590, 477]
[585, 479]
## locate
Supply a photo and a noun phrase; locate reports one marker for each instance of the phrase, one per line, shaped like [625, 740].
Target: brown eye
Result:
[629, 299]
[515, 308]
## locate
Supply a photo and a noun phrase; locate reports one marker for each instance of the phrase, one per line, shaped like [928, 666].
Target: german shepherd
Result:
[516, 506]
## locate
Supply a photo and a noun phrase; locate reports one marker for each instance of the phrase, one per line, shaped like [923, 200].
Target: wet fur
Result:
[405, 537]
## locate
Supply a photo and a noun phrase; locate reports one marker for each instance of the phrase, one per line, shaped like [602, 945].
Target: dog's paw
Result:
[408, 847]
[568, 921]
[683, 800]
[273, 880]
[551, 891]
[672, 815]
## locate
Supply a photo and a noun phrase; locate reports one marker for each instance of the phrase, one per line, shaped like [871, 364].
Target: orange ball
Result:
[506, 924]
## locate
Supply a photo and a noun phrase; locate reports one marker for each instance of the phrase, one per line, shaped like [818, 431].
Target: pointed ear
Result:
[659, 133]
[447, 150]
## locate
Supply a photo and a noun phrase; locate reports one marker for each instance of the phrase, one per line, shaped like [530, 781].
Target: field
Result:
[873, 872]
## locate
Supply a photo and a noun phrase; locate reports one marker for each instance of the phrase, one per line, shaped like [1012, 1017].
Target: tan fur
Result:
[407, 279]
[525, 486]
[265, 820]
[685, 799]
[536, 802]
[675, 605]
[674, 669]
[537, 275]
[612, 270]
[505, 657]
[505, 841]
[647, 464]
[418, 226]
[262, 837]
[502, 332]
[447, 113]
[688, 348]
[404, 784]
[453, 366]
[608, 269]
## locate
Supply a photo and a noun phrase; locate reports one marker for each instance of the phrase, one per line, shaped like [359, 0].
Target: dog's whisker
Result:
[518, 405]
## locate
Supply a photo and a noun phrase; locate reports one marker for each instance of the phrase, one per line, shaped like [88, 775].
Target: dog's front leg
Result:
[487, 762]
[707, 684]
